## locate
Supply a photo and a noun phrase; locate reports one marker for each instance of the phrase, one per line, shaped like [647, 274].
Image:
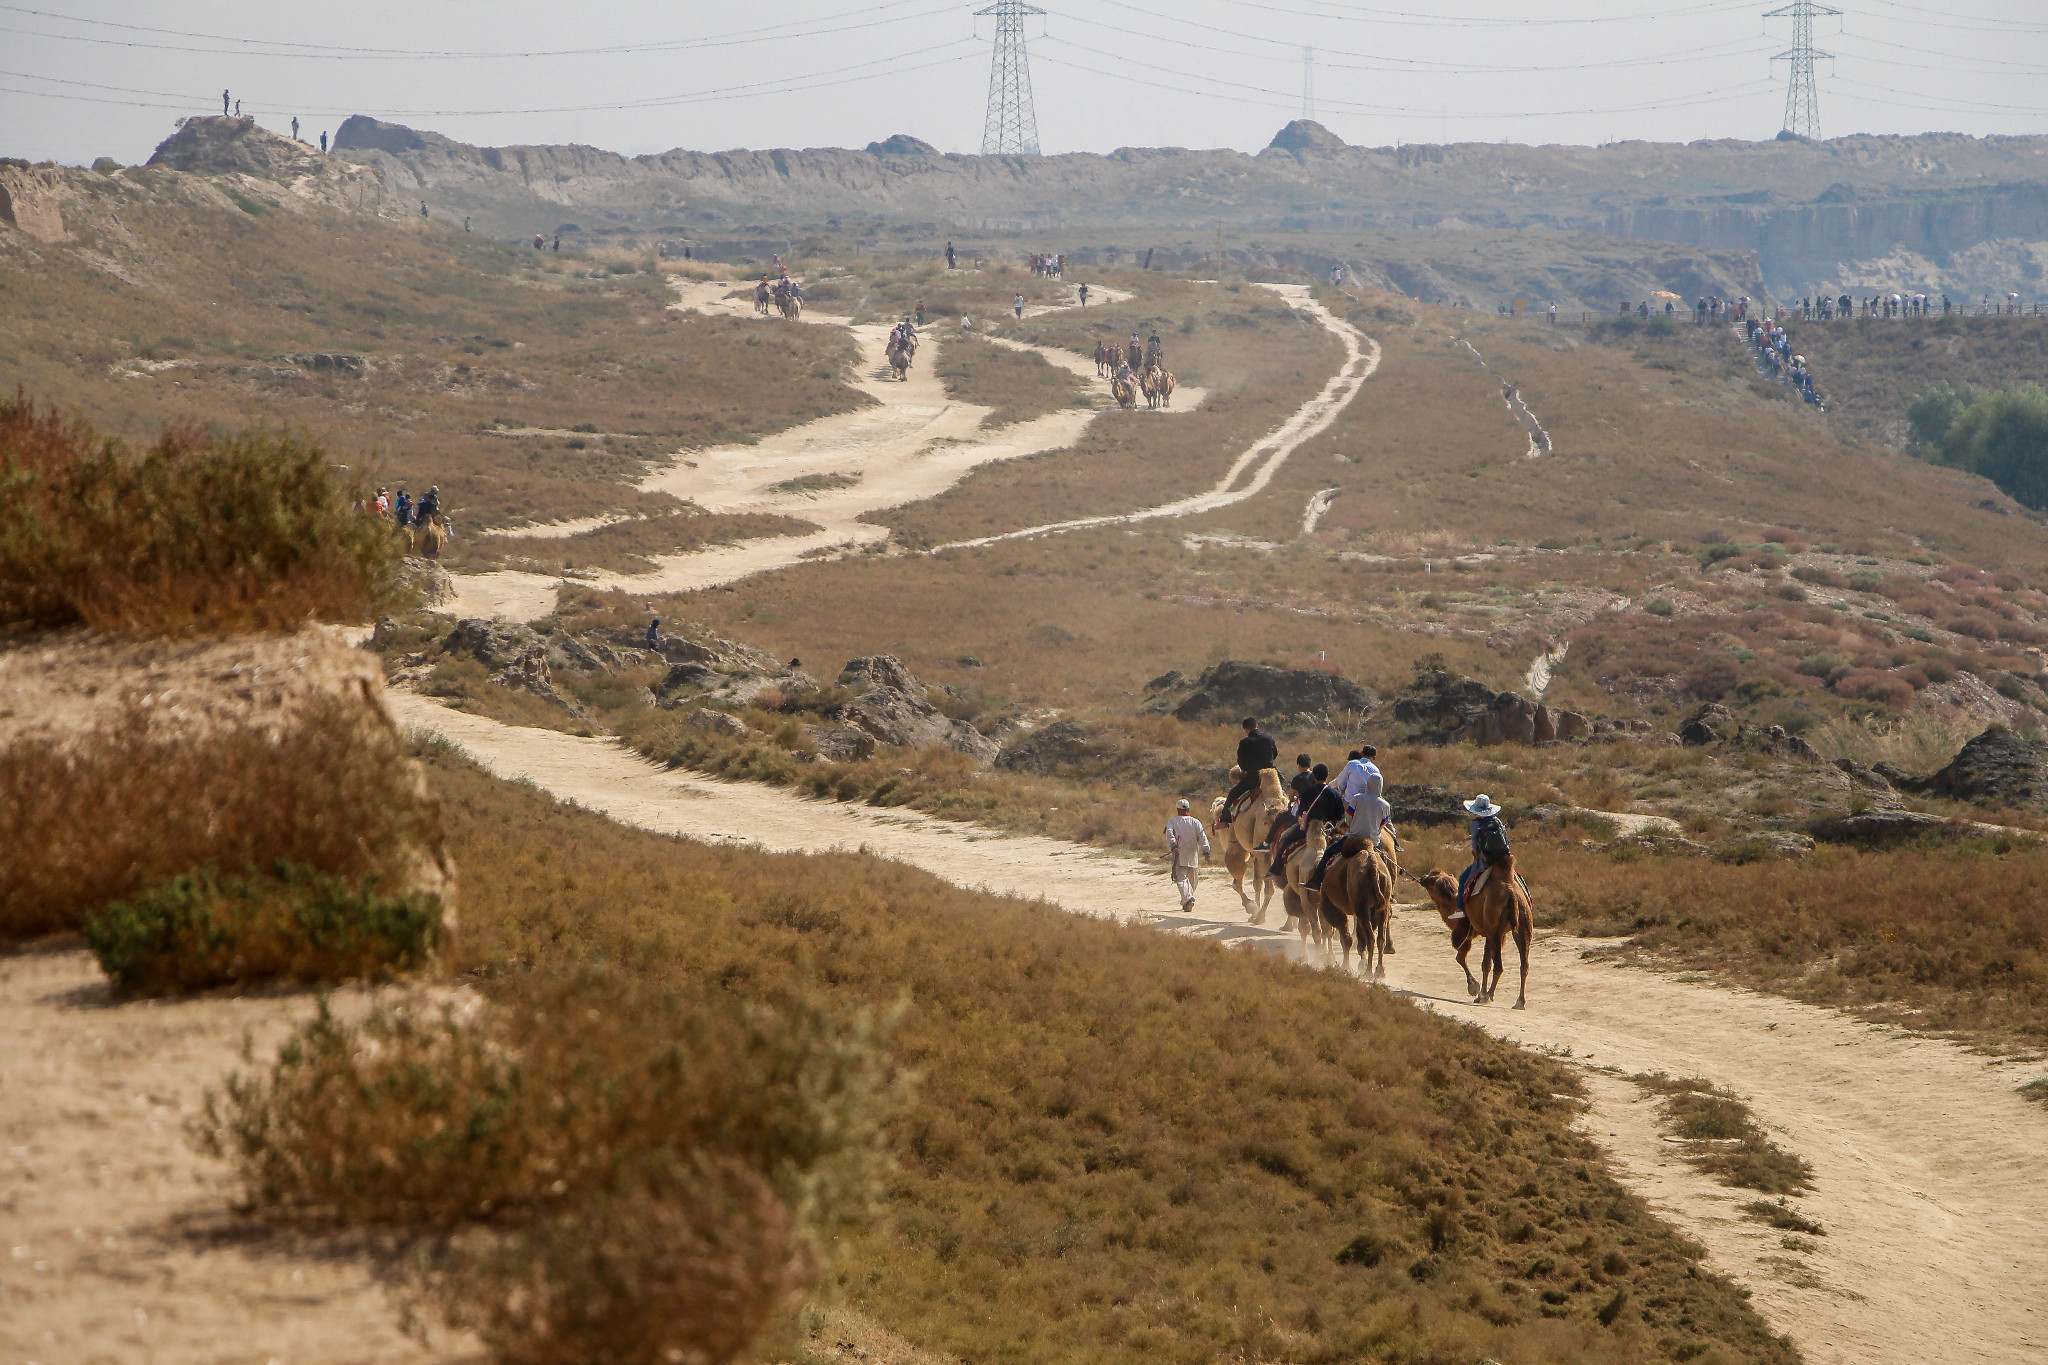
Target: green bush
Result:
[291, 924]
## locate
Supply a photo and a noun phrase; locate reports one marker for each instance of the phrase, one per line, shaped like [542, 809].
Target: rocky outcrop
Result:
[881, 670]
[226, 145]
[28, 201]
[840, 743]
[1306, 135]
[1421, 804]
[909, 722]
[902, 144]
[1713, 723]
[1061, 747]
[2000, 767]
[520, 657]
[426, 580]
[1452, 710]
[1234, 689]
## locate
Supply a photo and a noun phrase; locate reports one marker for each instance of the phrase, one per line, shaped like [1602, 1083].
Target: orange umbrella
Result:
[1663, 294]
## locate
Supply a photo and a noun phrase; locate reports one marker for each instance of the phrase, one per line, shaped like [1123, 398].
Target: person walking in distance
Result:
[949, 255]
[1019, 305]
[1084, 295]
[1189, 843]
[323, 142]
[295, 127]
[654, 634]
[238, 108]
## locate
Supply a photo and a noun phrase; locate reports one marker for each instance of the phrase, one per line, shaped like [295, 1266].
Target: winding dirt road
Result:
[910, 444]
[1929, 1173]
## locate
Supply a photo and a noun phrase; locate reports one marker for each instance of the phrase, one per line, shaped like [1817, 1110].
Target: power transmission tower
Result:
[1308, 84]
[1802, 100]
[1011, 128]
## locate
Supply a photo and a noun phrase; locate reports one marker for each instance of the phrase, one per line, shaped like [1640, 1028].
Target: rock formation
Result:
[1450, 710]
[1234, 689]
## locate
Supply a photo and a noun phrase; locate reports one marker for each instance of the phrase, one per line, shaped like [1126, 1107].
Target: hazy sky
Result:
[87, 78]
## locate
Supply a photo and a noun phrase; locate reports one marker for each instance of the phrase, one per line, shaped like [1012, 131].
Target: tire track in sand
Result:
[1928, 1171]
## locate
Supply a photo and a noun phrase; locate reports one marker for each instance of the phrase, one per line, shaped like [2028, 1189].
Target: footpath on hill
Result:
[912, 443]
[1928, 1176]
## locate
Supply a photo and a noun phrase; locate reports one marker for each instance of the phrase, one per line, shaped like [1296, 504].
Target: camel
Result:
[1124, 391]
[1304, 904]
[1135, 355]
[1247, 836]
[1500, 907]
[1149, 384]
[1360, 886]
[1105, 359]
[792, 307]
[427, 539]
[761, 298]
[1166, 383]
[898, 357]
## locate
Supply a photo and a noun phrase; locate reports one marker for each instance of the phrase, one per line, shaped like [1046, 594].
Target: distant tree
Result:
[1934, 412]
[2004, 437]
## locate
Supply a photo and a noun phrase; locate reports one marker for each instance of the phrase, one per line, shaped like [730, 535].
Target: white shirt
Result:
[1352, 780]
[1190, 841]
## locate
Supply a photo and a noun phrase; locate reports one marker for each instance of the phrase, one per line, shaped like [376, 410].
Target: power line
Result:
[329, 52]
[1010, 127]
[1802, 101]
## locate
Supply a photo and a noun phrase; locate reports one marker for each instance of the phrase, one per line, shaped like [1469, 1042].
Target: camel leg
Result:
[1464, 947]
[1523, 932]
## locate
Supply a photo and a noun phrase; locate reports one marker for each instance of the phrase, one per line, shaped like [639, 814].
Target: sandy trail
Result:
[116, 1243]
[1929, 1178]
[913, 443]
[1265, 456]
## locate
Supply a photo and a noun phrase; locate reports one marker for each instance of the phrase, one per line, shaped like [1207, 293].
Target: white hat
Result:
[1482, 805]
[1181, 804]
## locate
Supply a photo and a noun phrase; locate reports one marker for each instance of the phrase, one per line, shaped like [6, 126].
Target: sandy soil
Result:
[913, 443]
[119, 1245]
[1265, 456]
[1929, 1177]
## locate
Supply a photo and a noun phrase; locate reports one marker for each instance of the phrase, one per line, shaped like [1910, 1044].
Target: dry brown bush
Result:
[98, 815]
[623, 546]
[1017, 385]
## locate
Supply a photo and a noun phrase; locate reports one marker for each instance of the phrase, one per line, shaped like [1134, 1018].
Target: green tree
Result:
[1934, 412]
[2004, 437]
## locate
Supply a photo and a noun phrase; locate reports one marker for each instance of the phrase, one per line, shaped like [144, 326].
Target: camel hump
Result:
[1354, 844]
[1269, 782]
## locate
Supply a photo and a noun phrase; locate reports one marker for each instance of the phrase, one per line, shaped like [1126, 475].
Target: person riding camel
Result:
[1153, 352]
[1255, 752]
[1317, 803]
[1489, 842]
[1361, 786]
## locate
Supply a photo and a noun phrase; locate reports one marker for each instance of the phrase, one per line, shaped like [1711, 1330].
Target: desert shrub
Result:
[1822, 577]
[1779, 1214]
[1734, 1146]
[115, 810]
[1886, 689]
[687, 1261]
[560, 1089]
[1659, 606]
[198, 534]
[208, 929]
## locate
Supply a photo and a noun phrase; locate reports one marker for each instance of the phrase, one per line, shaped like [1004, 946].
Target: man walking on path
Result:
[1190, 845]
[1020, 307]
[949, 255]
[323, 143]
[1084, 296]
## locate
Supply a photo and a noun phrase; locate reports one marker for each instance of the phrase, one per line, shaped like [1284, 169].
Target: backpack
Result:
[1492, 839]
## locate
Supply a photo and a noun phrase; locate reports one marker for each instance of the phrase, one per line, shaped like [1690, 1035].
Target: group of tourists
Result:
[1354, 800]
[1771, 344]
[1051, 267]
[401, 509]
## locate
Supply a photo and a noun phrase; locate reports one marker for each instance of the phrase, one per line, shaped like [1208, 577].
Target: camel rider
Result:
[1489, 841]
[1318, 804]
[1153, 353]
[1304, 779]
[1362, 788]
[1255, 752]
[429, 507]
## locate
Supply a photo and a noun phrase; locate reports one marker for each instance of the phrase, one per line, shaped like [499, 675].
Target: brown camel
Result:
[898, 357]
[1165, 383]
[1246, 837]
[1149, 385]
[1303, 903]
[1106, 357]
[1359, 887]
[427, 539]
[792, 306]
[1125, 392]
[1498, 909]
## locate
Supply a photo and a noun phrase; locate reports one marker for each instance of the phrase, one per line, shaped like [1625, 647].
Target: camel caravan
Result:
[1330, 852]
[785, 295]
[1136, 371]
[902, 346]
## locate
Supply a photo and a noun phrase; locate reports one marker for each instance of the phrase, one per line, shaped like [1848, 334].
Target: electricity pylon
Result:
[1011, 128]
[1308, 84]
[1802, 100]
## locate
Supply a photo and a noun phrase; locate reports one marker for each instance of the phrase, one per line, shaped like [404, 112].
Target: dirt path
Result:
[1264, 457]
[911, 444]
[116, 1243]
[1929, 1177]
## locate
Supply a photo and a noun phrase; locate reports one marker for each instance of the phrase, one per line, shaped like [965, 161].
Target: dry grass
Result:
[1949, 943]
[1728, 1141]
[1871, 368]
[105, 814]
[1131, 1147]
[622, 546]
[1016, 385]
[199, 534]
[461, 339]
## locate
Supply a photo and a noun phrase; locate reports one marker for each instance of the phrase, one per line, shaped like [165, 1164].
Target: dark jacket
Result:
[1324, 805]
[1480, 829]
[1304, 784]
[1257, 750]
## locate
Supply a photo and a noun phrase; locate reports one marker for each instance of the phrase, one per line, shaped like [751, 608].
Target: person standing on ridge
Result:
[1189, 843]
[295, 127]
[323, 142]
[949, 255]
[654, 634]
[223, 104]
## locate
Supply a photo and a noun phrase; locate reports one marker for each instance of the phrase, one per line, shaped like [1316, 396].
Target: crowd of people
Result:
[1353, 801]
[401, 509]
[1052, 267]
[1819, 308]
[1771, 344]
